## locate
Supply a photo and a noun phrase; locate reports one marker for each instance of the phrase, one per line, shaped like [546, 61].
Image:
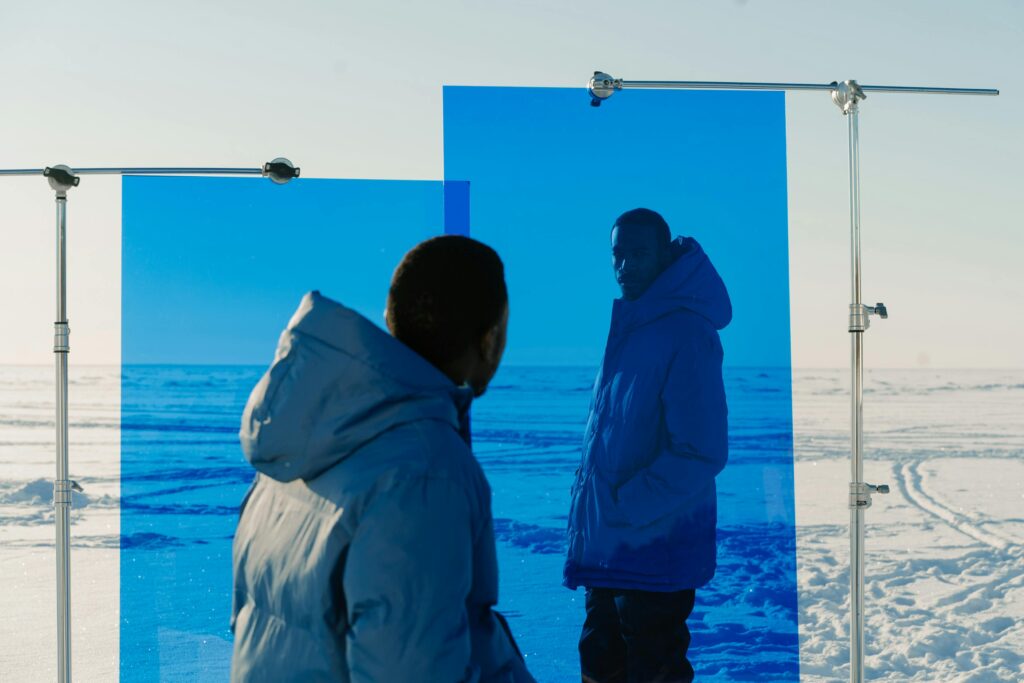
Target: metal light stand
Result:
[847, 96]
[62, 179]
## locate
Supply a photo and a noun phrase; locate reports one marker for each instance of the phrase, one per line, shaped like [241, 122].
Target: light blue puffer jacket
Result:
[365, 548]
[643, 511]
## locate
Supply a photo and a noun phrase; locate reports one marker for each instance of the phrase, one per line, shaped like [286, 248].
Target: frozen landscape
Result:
[945, 562]
[945, 553]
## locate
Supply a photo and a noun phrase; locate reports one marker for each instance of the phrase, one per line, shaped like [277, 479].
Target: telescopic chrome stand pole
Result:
[847, 96]
[62, 179]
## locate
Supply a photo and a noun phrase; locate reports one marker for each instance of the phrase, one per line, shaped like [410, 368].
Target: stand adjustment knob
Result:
[860, 493]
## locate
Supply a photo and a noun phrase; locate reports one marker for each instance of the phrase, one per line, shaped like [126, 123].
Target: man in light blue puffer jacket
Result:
[365, 547]
[643, 512]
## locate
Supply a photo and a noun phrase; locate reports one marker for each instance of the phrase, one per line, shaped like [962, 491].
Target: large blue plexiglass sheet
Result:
[212, 270]
[549, 174]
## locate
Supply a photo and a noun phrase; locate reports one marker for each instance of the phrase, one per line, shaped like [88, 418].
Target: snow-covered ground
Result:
[28, 614]
[945, 550]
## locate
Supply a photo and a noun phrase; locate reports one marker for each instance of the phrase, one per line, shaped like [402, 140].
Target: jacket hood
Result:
[689, 283]
[337, 382]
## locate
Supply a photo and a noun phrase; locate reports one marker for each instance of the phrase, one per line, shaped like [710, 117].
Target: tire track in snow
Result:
[910, 481]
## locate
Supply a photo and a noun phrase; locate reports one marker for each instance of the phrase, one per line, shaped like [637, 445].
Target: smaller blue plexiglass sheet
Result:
[212, 270]
[549, 174]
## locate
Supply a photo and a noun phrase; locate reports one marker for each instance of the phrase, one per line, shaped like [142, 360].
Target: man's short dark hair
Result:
[648, 220]
[445, 295]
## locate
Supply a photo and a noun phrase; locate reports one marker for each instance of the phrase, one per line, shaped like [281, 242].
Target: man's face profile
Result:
[491, 349]
[637, 259]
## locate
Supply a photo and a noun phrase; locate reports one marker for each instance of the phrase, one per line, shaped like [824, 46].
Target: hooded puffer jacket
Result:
[643, 509]
[365, 548]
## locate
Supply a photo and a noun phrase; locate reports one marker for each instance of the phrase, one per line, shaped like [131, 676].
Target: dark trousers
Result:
[633, 636]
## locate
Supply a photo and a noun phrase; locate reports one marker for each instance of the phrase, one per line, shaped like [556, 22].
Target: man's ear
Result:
[489, 344]
[666, 257]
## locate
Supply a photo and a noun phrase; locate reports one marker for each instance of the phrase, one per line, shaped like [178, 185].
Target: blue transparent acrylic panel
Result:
[549, 175]
[212, 270]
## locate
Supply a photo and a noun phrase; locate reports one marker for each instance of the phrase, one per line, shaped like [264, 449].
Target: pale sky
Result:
[352, 90]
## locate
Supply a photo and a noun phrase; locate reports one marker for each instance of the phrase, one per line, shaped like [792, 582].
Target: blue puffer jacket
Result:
[643, 509]
[365, 548]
